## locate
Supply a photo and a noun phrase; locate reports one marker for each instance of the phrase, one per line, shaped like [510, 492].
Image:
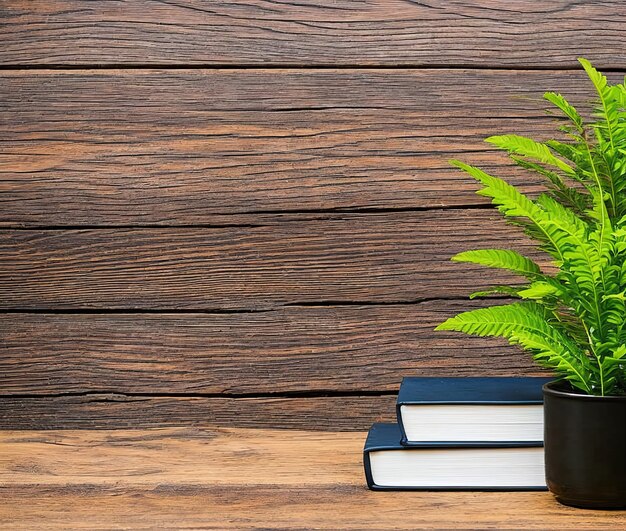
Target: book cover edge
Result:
[407, 402]
[374, 487]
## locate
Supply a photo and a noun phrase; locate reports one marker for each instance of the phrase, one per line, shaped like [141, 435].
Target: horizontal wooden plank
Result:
[237, 478]
[198, 146]
[373, 32]
[375, 257]
[115, 411]
[180, 456]
[260, 507]
[294, 349]
[276, 507]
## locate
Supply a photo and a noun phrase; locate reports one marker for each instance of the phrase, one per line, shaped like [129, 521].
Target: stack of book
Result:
[460, 433]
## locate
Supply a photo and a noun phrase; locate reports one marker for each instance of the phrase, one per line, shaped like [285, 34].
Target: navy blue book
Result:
[471, 411]
[391, 466]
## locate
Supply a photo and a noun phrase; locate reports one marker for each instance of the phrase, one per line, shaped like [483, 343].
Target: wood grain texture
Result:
[295, 349]
[237, 478]
[277, 507]
[179, 457]
[375, 257]
[200, 146]
[116, 411]
[372, 32]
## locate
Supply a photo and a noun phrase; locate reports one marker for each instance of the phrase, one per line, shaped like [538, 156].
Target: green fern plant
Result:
[572, 321]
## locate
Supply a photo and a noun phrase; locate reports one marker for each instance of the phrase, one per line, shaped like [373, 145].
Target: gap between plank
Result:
[218, 311]
[118, 396]
[291, 212]
[295, 66]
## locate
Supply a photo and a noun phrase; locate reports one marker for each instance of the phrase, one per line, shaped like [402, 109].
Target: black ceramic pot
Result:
[585, 447]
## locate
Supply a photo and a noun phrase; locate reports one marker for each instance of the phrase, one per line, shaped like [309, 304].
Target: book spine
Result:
[368, 471]
[403, 439]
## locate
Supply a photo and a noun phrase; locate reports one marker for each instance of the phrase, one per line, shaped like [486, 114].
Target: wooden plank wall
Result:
[241, 213]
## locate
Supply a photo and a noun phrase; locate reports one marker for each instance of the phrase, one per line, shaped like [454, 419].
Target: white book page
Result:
[467, 467]
[488, 423]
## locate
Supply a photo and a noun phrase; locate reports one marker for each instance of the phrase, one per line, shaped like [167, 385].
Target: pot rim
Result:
[552, 388]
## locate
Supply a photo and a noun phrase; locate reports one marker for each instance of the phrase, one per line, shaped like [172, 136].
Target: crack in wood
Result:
[574, 66]
[221, 311]
[116, 396]
[296, 212]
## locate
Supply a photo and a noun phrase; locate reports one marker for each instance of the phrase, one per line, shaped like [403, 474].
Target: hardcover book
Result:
[391, 466]
[471, 411]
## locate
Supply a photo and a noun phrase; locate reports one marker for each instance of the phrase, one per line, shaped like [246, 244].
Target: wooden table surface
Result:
[238, 478]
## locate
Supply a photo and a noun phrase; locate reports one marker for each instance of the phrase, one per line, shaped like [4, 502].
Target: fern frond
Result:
[514, 204]
[573, 153]
[526, 324]
[520, 145]
[507, 198]
[539, 290]
[608, 110]
[566, 108]
[567, 195]
[497, 290]
[502, 259]
[611, 136]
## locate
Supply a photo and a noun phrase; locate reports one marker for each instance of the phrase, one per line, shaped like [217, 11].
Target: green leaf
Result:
[538, 290]
[527, 147]
[496, 290]
[619, 352]
[599, 81]
[566, 195]
[567, 109]
[509, 200]
[514, 204]
[502, 259]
